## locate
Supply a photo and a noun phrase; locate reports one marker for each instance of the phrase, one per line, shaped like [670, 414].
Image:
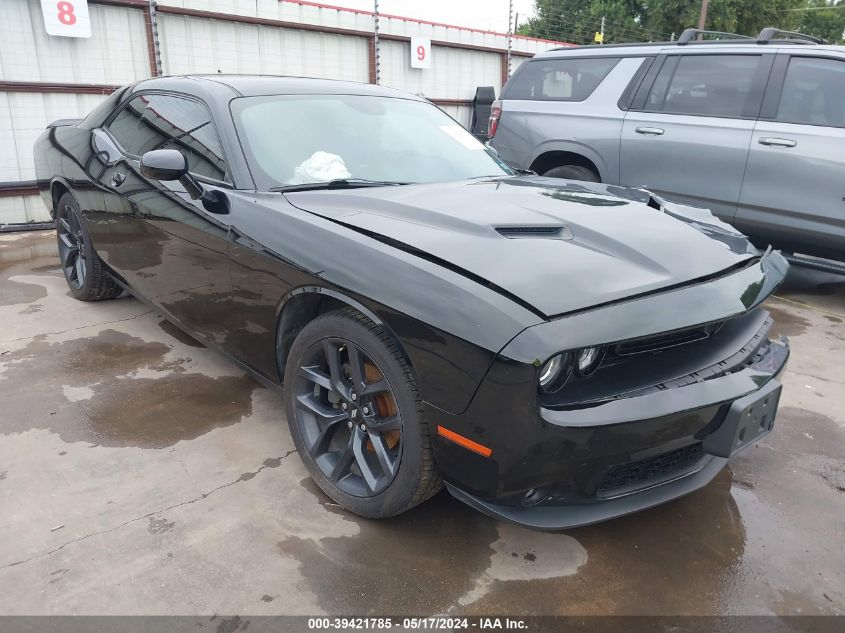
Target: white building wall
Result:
[23, 116]
[202, 45]
[516, 62]
[327, 16]
[22, 209]
[454, 72]
[462, 114]
[116, 52]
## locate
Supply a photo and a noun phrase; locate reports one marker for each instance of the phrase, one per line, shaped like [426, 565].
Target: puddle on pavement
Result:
[786, 323]
[422, 560]
[17, 292]
[90, 405]
[443, 557]
[178, 334]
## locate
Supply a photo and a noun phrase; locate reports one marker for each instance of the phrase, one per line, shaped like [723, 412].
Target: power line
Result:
[831, 7]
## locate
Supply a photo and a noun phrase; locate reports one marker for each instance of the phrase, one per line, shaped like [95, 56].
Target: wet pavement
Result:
[141, 473]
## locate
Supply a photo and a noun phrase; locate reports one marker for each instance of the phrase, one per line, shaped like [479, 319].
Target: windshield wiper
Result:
[338, 183]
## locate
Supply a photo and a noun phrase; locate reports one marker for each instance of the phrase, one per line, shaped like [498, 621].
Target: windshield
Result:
[296, 139]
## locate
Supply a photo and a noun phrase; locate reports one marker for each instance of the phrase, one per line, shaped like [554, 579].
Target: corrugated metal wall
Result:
[447, 77]
[116, 53]
[200, 45]
[43, 78]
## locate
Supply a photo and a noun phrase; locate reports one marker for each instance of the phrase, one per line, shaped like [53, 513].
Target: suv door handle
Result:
[653, 131]
[778, 142]
[117, 179]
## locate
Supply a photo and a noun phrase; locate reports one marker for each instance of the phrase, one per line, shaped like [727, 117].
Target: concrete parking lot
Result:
[141, 473]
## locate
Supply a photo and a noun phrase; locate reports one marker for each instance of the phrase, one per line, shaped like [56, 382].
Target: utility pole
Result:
[153, 17]
[376, 55]
[702, 17]
[602, 31]
[511, 29]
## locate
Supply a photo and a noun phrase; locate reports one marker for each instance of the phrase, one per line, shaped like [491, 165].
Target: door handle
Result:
[778, 142]
[652, 131]
[117, 179]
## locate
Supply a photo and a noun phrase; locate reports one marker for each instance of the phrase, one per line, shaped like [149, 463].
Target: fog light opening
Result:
[533, 496]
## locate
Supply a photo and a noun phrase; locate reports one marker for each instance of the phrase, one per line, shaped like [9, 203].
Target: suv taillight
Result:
[495, 113]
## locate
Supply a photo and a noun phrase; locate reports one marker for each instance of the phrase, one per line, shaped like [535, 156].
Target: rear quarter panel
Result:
[591, 128]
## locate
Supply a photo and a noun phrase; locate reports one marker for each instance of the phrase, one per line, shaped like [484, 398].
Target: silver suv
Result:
[752, 128]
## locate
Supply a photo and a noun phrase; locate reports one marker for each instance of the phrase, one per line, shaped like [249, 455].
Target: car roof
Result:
[258, 85]
[654, 48]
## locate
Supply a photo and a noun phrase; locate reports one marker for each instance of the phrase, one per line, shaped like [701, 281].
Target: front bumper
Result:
[560, 517]
[581, 466]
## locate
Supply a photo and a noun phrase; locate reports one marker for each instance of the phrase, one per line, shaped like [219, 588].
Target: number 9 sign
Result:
[66, 18]
[420, 52]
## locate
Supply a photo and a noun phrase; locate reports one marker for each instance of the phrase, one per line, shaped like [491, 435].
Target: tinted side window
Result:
[157, 121]
[813, 92]
[706, 85]
[559, 79]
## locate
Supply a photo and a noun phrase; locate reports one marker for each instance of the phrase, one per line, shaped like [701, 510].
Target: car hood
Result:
[556, 246]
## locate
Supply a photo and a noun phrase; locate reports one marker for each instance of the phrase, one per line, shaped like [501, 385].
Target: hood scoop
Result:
[525, 232]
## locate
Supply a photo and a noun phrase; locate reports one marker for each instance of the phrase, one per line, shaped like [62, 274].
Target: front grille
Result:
[634, 476]
[654, 344]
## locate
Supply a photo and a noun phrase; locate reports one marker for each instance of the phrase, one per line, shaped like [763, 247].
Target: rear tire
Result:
[335, 413]
[573, 172]
[83, 269]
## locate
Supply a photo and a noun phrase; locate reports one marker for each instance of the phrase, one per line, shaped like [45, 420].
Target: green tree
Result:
[825, 19]
[745, 17]
[577, 21]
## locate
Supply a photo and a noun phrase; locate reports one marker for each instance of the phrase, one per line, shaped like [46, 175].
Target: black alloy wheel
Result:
[85, 273]
[348, 418]
[355, 415]
[71, 245]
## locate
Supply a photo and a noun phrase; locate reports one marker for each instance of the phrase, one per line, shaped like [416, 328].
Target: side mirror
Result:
[171, 164]
[164, 164]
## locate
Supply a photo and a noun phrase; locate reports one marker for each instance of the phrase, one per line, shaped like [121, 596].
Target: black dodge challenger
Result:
[555, 353]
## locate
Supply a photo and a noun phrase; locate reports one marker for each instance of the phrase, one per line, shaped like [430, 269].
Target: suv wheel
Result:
[573, 172]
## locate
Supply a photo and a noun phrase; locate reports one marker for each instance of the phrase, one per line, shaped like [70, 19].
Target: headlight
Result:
[587, 360]
[554, 373]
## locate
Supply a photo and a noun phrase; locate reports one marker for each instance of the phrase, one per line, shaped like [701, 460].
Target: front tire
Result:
[356, 418]
[84, 271]
[573, 172]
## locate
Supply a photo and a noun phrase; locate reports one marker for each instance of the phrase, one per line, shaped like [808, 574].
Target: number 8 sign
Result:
[420, 52]
[66, 18]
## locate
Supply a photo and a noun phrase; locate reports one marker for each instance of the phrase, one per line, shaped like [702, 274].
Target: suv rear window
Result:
[572, 79]
[704, 85]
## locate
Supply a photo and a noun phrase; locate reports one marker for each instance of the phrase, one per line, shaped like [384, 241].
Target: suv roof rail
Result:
[690, 34]
[768, 34]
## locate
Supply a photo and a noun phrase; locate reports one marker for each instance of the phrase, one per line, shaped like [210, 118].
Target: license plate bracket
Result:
[748, 419]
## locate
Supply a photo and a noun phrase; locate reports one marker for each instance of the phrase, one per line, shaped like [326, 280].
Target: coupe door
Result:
[176, 253]
[794, 190]
[111, 217]
[687, 133]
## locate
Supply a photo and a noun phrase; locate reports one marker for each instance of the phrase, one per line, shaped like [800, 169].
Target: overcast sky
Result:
[480, 14]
